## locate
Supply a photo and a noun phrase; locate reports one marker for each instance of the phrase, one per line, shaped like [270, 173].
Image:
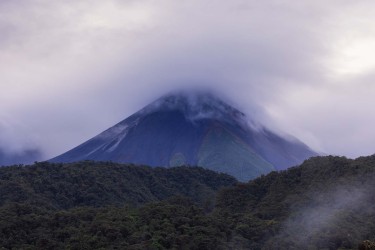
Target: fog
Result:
[342, 208]
[70, 70]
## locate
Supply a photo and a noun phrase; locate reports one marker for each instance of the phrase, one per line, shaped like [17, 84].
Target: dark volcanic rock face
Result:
[192, 129]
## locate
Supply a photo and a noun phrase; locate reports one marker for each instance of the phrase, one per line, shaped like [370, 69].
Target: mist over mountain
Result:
[193, 128]
[20, 157]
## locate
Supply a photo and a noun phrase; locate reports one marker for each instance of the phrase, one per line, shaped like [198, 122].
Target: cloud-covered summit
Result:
[69, 69]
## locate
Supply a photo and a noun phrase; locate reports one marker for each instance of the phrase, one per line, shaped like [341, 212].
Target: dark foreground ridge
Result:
[326, 203]
[88, 183]
[197, 129]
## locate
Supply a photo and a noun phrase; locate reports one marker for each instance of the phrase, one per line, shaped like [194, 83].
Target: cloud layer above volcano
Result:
[70, 69]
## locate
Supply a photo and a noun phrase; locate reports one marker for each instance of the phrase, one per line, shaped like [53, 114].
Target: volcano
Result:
[193, 128]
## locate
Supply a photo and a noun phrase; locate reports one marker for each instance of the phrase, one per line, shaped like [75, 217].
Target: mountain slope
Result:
[192, 129]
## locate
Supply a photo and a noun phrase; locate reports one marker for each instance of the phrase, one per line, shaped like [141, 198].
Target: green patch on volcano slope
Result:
[178, 159]
[224, 152]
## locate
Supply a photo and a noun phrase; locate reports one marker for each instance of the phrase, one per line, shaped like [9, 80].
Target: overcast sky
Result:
[70, 69]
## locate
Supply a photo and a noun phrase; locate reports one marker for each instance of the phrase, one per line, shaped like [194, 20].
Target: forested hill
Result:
[87, 183]
[326, 203]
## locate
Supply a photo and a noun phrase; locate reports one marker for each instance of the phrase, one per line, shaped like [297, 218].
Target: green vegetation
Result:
[217, 151]
[326, 203]
[176, 223]
[96, 184]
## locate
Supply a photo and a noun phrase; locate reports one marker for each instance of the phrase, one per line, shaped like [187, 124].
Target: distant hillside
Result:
[63, 186]
[326, 203]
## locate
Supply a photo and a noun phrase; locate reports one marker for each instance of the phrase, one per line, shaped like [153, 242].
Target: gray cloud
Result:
[71, 69]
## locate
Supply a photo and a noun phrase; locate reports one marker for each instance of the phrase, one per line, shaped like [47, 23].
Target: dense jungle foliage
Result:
[96, 184]
[326, 203]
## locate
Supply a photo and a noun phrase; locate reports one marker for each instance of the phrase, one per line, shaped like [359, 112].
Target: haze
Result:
[71, 69]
